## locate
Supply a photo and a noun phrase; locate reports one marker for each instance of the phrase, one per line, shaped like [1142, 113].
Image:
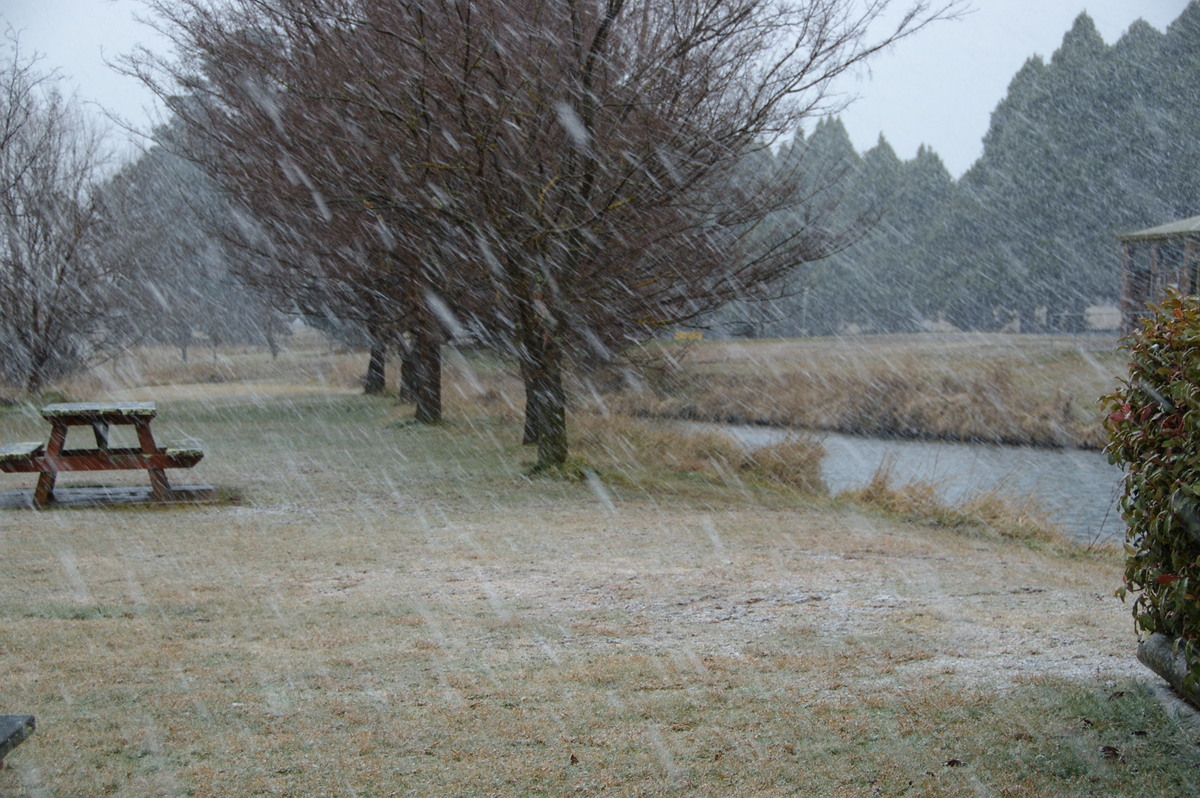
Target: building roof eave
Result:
[1184, 228]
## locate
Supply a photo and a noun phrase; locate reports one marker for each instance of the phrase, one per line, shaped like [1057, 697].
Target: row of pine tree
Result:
[1102, 139]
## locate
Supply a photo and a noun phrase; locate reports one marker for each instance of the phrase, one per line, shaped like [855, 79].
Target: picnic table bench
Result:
[53, 458]
[13, 731]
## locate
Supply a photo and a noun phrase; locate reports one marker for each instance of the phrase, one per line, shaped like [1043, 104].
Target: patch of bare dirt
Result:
[909, 602]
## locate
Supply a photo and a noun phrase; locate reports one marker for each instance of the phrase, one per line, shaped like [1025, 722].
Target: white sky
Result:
[938, 88]
[76, 37]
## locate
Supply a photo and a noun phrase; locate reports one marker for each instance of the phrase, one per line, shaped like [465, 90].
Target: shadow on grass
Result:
[97, 496]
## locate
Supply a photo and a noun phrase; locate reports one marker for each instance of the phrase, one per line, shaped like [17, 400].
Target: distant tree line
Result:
[1101, 140]
[166, 230]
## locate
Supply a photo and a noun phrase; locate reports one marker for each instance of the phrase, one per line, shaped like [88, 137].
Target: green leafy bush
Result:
[1153, 424]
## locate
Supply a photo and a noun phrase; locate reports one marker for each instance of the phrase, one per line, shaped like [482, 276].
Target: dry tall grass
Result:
[992, 512]
[628, 446]
[1040, 390]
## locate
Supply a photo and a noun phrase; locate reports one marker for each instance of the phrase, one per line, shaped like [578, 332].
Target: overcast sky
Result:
[938, 88]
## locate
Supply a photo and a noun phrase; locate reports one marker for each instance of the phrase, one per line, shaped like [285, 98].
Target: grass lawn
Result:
[390, 609]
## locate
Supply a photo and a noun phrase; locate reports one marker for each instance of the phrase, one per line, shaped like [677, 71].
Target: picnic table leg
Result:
[44, 492]
[158, 477]
[100, 429]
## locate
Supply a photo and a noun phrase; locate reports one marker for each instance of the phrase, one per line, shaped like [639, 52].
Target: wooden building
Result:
[1153, 260]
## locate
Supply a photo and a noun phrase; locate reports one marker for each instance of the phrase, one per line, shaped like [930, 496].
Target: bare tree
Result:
[592, 151]
[314, 183]
[59, 301]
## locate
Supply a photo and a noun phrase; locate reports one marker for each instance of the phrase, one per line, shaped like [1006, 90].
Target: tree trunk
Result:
[408, 372]
[183, 337]
[545, 399]
[376, 380]
[529, 435]
[272, 341]
[551, 414]
[35, 375]
[33, 382]
[427, 357]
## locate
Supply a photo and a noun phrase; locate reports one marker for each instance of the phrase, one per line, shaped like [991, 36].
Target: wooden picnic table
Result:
[100, 416]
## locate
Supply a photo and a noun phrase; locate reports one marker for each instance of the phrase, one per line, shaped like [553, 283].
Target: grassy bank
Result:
[396, 610]
[1038, 390]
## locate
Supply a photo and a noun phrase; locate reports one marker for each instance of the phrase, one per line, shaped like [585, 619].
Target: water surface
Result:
[1079, 489]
